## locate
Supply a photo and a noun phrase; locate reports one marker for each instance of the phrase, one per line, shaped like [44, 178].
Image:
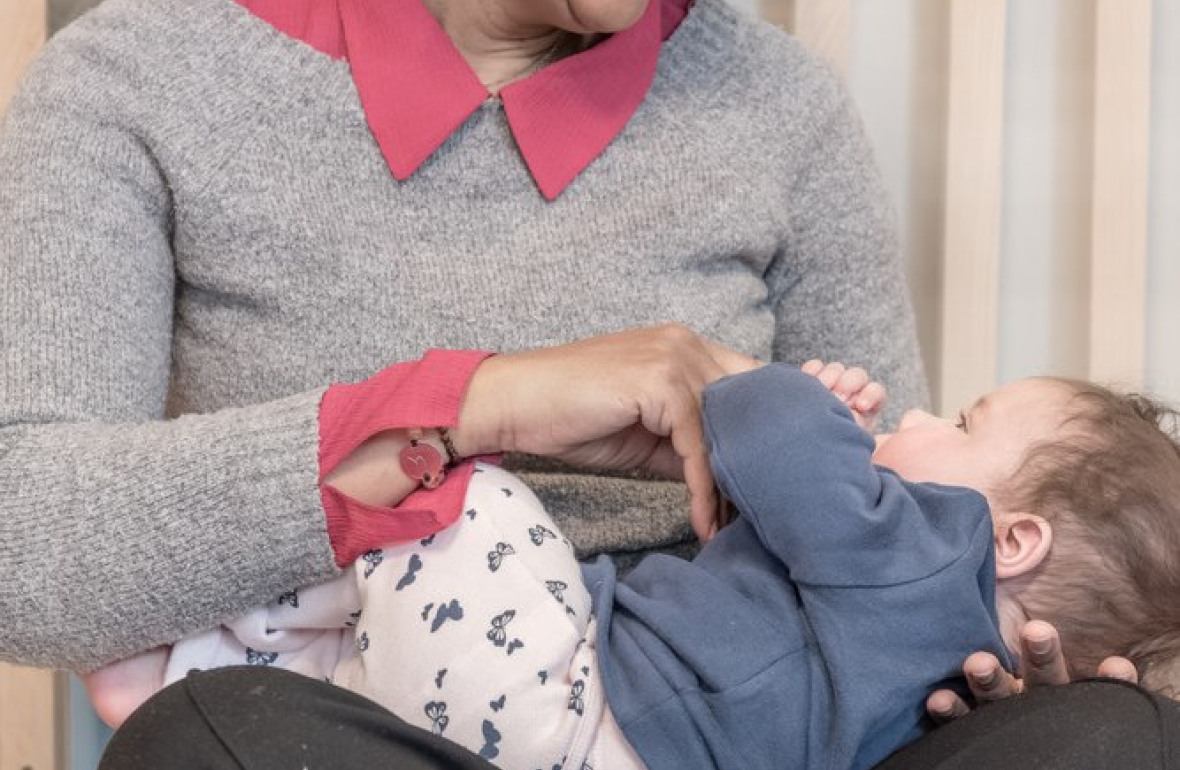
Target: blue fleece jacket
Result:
[809, 632]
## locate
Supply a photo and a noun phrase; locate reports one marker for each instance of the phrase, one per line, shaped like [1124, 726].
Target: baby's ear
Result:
[1022, 543]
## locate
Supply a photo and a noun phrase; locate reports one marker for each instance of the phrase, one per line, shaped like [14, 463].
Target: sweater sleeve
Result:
[795, 463]
[119, 529]
[837, 284]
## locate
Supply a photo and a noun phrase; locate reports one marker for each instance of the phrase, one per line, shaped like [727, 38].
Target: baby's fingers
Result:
[849, 383]
[812, 367]
[871, 399]
[867, 405]
[828, 374]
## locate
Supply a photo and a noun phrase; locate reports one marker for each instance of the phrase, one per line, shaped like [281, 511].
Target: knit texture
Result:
[195, 220]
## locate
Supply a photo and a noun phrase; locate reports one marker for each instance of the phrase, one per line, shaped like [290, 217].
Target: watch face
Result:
[423, 463]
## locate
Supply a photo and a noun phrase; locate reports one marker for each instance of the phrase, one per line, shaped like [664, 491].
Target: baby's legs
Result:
[306, 631]
[119, 688]
[482, 633]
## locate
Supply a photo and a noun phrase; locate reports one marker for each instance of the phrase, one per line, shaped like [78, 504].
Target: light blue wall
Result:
[88, 735]
[1163, 309]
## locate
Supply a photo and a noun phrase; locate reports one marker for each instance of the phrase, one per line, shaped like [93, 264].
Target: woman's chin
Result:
[606, 15]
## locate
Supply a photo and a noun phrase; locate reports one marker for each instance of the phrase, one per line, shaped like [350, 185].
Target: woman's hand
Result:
[1042, 663]
[617, 401]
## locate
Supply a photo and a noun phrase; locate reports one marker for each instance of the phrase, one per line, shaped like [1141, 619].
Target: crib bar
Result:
[825, 26]
[33, 702]
[33, 719]
[1119, 217]
[22, 30]
[971, 239]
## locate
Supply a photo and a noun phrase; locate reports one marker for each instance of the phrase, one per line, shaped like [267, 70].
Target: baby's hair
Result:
[1110, 486]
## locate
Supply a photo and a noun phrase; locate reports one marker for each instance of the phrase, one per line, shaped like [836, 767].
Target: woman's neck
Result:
[498, 45]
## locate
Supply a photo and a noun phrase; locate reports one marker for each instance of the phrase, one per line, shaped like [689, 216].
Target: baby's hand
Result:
[863, 396]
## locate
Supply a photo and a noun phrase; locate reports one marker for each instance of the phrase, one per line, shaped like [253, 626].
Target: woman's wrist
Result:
[479, 431]
[372, 473]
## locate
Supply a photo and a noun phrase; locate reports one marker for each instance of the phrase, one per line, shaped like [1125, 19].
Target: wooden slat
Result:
[22, 31]
[825, 26]
[33, 715]
[33, 702]
[971, 260]
[1118, 255]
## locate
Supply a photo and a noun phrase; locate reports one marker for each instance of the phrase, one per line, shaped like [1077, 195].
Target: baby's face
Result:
[983, 447]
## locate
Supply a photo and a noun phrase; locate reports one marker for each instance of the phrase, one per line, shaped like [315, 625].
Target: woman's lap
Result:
[257, 718]
[1090, 725]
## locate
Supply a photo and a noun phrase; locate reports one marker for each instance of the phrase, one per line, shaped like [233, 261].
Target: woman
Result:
[217, 209]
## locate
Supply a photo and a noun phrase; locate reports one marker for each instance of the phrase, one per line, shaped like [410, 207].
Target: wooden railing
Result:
[967, 309]
[33, 702]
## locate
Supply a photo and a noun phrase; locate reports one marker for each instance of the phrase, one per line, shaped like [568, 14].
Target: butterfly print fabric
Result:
[471, 636]
[480, 633]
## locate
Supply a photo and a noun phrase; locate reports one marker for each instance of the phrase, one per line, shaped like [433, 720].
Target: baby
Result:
[807, 633]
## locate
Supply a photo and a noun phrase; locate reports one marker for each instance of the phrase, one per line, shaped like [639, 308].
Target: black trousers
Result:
[255, 718]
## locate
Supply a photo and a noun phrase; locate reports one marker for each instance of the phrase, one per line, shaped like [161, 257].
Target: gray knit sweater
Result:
[198, 234]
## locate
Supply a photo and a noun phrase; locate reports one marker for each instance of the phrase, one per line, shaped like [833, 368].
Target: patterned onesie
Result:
[482, 633]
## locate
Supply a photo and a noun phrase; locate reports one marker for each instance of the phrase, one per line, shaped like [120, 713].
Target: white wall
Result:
[897, 74]
[1163, 330]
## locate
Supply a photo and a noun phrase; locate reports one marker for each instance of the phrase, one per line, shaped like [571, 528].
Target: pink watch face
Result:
[423, 463]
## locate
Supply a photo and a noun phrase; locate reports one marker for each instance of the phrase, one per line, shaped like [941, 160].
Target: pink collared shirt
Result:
[416, 90]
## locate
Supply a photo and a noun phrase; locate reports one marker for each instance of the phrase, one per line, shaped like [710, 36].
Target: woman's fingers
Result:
[1119, 668]
[686, 436]
[1043, 664]
[729, 360]
[670, 407]
[1041, 652]
[946, 705]
[987, 679]
[703, 498]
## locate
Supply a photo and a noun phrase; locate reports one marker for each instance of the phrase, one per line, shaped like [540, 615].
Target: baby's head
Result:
[1084, 486]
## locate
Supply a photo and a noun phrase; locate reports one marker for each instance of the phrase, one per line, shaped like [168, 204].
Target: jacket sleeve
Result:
[796, 464]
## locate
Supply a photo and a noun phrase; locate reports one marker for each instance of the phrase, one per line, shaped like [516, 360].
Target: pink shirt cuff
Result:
[425, 393]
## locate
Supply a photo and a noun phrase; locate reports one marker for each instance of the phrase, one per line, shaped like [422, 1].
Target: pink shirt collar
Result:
[416, 88]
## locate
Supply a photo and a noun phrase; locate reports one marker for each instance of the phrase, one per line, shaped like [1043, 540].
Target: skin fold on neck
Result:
[505, 40]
